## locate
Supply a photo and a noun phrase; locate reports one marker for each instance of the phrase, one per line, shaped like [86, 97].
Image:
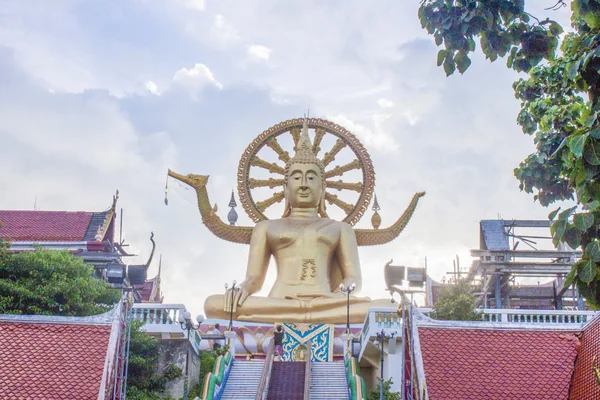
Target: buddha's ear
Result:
[287, 210]
[322, 207]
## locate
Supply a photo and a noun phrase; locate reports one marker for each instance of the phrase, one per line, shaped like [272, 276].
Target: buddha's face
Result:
[304, 186]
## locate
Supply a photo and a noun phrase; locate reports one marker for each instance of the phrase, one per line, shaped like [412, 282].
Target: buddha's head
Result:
[304, 178]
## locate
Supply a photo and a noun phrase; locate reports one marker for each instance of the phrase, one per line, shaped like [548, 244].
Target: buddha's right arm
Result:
[258, 259]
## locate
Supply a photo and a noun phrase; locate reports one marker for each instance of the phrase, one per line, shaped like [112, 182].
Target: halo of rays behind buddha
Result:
[343, 173]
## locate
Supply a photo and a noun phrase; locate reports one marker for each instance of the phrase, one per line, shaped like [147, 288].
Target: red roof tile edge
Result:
[112, 319]
[420, 320]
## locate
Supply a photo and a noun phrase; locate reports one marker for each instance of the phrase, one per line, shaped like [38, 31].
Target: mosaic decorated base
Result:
[296, 336]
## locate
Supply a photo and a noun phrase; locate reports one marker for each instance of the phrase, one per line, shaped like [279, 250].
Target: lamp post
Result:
[234, 289]
[381, 336]
[185, 321]
[347, 290]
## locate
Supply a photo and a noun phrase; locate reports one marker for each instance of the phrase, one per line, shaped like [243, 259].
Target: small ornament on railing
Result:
[376, 218]
[232, 216]
[167, 191]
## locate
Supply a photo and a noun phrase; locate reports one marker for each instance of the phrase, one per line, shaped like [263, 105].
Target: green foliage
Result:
[387, 393]
[456, 302]
[144, 380]
[51, 283]
[503, 27]
[560, 105]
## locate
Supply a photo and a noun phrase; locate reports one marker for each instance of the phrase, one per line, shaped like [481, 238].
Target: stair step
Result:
[243, 380]
[328, 381]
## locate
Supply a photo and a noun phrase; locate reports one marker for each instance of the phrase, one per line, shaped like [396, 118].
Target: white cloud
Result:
[258, 52]
[385, 103]
[370, 139]
[198, 5]
[224, 33]
[152, 88]
[196, 78]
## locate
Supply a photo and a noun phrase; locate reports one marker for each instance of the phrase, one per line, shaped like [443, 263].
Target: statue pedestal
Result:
[297, 336]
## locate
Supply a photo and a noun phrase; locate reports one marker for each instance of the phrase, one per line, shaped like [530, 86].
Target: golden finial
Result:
[376, 218]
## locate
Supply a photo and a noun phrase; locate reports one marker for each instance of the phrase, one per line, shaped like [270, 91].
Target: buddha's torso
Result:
[304, 251]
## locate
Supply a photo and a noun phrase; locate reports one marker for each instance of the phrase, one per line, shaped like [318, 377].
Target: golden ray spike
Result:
[271, 183]
[271, 167]
[276, 198]
[274, 144]
[333, 199]
[317, 142]
[338, 171]
[341, 185]
[330, 156]
[295, 132]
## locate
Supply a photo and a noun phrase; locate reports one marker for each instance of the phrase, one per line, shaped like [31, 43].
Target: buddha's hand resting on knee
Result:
[240, 295]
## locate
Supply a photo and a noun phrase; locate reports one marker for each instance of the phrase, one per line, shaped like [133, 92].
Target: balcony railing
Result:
[537, 316]
[162, 319]
[380, 318]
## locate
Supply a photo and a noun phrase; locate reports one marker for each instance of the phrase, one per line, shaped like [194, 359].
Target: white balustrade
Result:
[536, 316]
[387, 318]
[378, 319]
[162, 319]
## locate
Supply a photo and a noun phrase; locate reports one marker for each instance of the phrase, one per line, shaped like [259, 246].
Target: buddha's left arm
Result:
[347, 255]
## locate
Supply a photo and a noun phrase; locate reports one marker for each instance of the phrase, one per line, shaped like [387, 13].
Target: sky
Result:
[99, 96]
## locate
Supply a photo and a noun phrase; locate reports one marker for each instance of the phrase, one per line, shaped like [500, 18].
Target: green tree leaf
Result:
[592, 250]
[565, 215]
[552, 215]
[441, 56]
[573, 237]
[571, 277]
[462, 61]
[575, 143]
[583, 221]
[591, 152]
[558, 230]
[587, 270]
[449, 65]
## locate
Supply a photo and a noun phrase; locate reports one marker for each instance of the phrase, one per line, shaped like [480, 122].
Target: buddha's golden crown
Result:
[304, 151]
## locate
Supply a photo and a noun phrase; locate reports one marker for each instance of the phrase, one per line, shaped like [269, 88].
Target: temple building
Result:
[85, 234]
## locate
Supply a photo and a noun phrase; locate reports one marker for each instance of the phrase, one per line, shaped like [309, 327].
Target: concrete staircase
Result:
[243, 381]
[328, 381]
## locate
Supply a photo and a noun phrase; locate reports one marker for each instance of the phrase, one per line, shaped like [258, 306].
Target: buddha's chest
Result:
[300, 234]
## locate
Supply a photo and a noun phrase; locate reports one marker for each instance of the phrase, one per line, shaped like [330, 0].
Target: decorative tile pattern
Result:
[320, 335]
[51, 361]
[43, 226]
[585, 386]
[497, 364]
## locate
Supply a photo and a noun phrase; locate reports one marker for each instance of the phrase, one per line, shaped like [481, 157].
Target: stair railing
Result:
[266, 372]
[307, 371]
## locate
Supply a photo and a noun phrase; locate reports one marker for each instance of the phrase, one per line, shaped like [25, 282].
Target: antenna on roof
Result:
[35, 204]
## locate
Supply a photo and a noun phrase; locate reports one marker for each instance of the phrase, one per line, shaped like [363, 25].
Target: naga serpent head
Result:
[194, 180]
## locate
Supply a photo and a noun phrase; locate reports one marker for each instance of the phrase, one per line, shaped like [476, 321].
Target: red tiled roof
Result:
[584, 383]
[44, 225]
[51, 361]
[467, 364]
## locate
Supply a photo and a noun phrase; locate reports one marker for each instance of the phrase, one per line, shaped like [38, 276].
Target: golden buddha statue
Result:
[315, 256]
